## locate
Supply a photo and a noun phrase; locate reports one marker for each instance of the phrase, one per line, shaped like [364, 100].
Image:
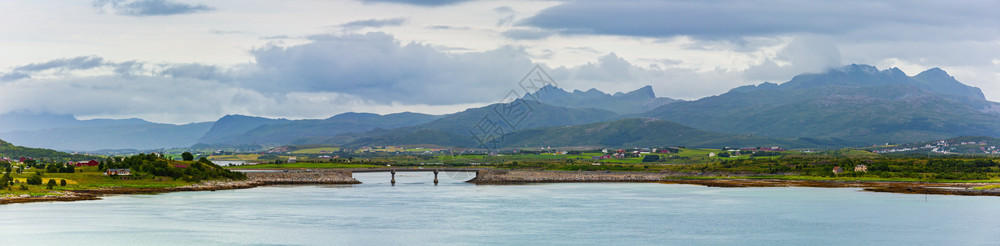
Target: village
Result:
[945, 147]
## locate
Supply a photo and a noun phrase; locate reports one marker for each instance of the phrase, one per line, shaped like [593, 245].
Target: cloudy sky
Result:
[180, 61]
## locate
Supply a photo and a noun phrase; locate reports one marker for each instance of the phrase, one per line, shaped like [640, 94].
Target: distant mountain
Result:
[458, 129]
[232, 126]
[140, 136]
[856, 103]
[639, 100]
[29, 122]
[280, 132]
[15, 152]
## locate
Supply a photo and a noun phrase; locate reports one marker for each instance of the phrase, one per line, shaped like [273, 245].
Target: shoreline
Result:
[502, 177]
[534, 176]
[255, 179]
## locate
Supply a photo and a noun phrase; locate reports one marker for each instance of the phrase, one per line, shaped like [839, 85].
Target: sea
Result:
[415, 211]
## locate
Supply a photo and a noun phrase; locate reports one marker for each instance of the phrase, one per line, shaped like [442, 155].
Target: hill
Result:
[12, 151]
[643, 133]
[856, 103]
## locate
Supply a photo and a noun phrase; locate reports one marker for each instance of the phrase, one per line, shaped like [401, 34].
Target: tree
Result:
[651, 158]
[34, 180]
[187, 156]
[52, 183]
[62, 182]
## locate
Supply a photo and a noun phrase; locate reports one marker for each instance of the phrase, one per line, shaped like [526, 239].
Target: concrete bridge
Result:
[479, 171]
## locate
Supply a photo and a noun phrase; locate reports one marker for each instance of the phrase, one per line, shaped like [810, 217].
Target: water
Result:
[414, 211]
[229, 163]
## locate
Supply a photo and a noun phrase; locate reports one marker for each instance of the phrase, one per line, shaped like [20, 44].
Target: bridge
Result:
[478, 171]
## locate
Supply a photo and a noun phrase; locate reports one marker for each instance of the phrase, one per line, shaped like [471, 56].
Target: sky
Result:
[183, 61]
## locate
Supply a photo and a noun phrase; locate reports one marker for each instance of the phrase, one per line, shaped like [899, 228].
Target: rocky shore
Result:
[527, 176]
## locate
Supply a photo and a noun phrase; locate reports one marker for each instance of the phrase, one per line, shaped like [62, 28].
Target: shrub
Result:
[34, 180]
[62, 182]
[51, 183]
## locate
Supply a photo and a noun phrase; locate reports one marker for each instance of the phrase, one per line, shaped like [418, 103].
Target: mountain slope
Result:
[636, 101]
[857, 103]
[301, 131]
[30, 122]
[144, 136]
[231, 126]
[640, 133]
[459, 128]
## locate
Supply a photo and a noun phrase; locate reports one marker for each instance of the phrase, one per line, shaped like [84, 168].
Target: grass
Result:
[987, 187]
[89, 179]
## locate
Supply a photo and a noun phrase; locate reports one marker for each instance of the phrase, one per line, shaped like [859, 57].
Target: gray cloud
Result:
[149, 7]
[66, 64]
[426, 3]
[733, 18]
[527, 34]
[374, 23]
[802, 55]
[377, 67]
[75, 63]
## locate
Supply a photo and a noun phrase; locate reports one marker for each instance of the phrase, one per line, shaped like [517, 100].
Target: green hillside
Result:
[12, 151]
[644, 133]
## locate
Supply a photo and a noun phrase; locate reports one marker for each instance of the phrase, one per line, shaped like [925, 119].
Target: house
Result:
[118, 171]
[90, 163]
[861, 168]
[291, 159]
[837, 170]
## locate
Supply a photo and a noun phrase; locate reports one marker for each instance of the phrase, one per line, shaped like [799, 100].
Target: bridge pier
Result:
[393, 177]
[435, 177]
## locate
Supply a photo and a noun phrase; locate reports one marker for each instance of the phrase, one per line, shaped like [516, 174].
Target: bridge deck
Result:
[372, 170]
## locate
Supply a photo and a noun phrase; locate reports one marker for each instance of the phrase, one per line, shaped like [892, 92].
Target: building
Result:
[91, 163]
[861, 168]
[118, 171]
[837, 170]
[291, 159]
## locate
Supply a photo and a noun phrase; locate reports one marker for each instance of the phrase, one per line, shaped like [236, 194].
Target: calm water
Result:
[454, 213]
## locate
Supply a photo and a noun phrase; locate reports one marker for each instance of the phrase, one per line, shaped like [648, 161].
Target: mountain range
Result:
[854, 105]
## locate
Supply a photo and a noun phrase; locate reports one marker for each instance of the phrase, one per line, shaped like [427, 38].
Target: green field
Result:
[89, 178]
